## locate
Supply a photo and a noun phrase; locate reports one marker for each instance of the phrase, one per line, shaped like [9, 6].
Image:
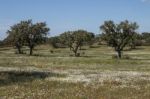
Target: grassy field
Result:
[57, 75]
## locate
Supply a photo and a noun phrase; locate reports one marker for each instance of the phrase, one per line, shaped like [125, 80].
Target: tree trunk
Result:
[19, 50]
[76, 51]
[31, 50]
[119, 54]
[18, 46]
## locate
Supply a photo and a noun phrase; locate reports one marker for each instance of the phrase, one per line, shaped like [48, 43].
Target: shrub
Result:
[51, 51]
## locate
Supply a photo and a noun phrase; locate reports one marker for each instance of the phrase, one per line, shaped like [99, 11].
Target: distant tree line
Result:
[118, 36]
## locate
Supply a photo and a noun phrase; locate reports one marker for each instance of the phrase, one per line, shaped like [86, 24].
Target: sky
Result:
[65, 15]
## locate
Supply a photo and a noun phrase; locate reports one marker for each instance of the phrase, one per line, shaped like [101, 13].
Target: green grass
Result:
[94, 61]
[99, 58]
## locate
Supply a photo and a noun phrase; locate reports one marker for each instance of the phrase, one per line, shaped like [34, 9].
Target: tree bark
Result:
[31, 50]
[75, 53]
[119, 54]
[19, 50]
[75, 50]
[18, 46]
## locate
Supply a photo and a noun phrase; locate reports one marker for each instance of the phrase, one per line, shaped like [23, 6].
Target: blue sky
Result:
[64, 15]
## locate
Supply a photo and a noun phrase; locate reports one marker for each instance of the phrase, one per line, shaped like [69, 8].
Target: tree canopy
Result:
[75, 39]
[118, 35]
[27, 33]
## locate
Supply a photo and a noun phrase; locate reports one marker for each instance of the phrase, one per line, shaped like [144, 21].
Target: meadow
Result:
[56, 74]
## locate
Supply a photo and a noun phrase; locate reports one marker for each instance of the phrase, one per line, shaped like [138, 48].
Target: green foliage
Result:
[146, 38]
[56, 42]
[135, 41]
[53, 41]
[75, 39]
[27, 33]
[118, 35]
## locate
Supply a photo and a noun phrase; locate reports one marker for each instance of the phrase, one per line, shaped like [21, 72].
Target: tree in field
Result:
[67, 38]
[36, 35]
[118, 35]
[17, 34]
[27, 33]
[75, 39]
